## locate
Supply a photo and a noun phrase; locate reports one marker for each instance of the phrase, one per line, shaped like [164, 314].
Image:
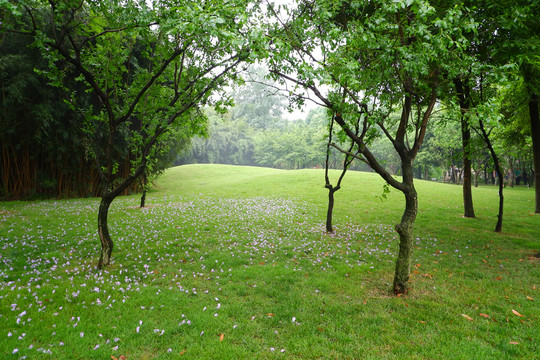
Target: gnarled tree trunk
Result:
[405, 231]
[103, 230]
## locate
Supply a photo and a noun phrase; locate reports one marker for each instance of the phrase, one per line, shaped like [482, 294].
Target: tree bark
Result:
[405, 231]
[463, 95]
[485, 136]
[144, 185]
[330, 210]
[143, 198]
[467, 173]
[535, 135]
[103, 229]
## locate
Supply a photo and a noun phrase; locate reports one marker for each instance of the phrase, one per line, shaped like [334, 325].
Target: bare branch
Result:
[314, 89]
[427, 114]
[349, 153]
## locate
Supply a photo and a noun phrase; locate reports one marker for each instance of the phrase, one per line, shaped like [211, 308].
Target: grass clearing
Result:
[233, 263]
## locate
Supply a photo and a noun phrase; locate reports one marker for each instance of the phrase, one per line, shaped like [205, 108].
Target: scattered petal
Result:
[516, 313]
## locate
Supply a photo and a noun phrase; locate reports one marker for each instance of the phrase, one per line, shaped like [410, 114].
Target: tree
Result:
[463, 95]
[387, 57]
[516, 41]
[149, 64]
[348, 159]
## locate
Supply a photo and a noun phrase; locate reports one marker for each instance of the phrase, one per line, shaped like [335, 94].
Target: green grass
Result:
[233, 263]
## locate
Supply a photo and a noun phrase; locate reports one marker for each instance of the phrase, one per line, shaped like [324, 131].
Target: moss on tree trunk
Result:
[405, 231]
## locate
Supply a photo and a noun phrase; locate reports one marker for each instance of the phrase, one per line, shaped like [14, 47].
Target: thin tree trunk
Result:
[467, 176]
[103, 229]
[330, 210]
[405, 231]
[498, 226]
[485, 136]
[463, 95]
[535, 135]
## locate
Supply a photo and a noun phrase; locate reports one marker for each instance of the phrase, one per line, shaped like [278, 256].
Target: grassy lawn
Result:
[234, 263]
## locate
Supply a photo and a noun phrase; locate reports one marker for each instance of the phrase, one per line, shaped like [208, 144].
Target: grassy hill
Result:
[440, 205]
[231, 262]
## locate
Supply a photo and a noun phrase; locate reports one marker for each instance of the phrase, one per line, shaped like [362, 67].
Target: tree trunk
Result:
[463, 94]
[103, 229]
[485, 136]
[467, 177]
[535, 135]
[330, 210]
[498, 226]
[143, 198]
[144, 185]
[405, 231]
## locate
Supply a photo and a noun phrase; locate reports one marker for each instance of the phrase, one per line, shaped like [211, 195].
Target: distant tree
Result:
[228, 142]
[257, 101]
[296, 145]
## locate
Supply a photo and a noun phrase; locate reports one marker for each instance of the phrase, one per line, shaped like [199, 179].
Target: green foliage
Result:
[146, 67]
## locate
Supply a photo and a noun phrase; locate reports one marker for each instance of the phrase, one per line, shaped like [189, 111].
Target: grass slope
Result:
[233, 263]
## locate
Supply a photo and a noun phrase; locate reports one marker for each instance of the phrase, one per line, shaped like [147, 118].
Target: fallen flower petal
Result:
[516, 313]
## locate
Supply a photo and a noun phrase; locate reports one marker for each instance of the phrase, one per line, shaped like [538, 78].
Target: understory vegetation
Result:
[235, 263]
